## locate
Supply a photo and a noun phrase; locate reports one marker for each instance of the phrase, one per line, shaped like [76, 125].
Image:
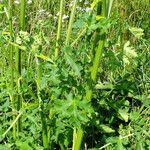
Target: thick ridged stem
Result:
[19, 62]
[77, 138]
[11, 61]
[98, 53]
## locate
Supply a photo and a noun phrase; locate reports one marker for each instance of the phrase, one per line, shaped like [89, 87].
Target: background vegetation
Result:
[74, 74]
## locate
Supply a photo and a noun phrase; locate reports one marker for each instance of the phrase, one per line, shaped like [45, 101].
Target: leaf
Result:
[23, 145]
[139, 146]
[124, 115]
[120, 145]
[98, 17]
[73, 65]
[79, 24]
[106, 129]
[45, 58]
[104, 86]
[3, 147]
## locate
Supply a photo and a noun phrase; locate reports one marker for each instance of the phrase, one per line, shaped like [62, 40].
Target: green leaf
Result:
[45, 58]
[106, 129]
[23, 145]
[139, 146]
[3, 147]
[73, 65]
[100, 86]
[120, 145]
[124, 115]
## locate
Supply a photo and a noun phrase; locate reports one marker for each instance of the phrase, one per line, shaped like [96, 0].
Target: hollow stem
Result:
[11, 49]
[19, 63]
[101, 10]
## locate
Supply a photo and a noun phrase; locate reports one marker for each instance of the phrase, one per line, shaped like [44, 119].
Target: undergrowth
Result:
[74, 75]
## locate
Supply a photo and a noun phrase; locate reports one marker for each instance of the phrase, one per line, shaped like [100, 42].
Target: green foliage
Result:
[53, 91]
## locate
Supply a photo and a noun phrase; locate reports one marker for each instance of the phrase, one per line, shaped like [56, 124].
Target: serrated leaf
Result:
[73, 65]
[23, 145]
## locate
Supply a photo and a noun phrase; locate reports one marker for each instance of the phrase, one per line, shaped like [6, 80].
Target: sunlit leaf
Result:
[124, 115]
[106, 129]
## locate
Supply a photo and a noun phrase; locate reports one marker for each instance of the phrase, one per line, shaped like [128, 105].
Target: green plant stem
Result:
[101, 10]
[98, 53]
[12, 125]
[77, 138]
[11, 61]
[41, 107]
[59, 28]
[109, 7]
[18, 61]
[22, 14]
[70, 23]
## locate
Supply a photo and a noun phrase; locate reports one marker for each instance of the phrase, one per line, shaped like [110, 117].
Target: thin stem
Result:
[14, 122]
[70, 23]
[59, 28]
[22, 14]
[41, 106]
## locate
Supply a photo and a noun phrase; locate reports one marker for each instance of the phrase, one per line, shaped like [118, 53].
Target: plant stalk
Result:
[101, 10]
[18, 61]
[11, 49]
[70, 23]
[59, 28]
[41, 106]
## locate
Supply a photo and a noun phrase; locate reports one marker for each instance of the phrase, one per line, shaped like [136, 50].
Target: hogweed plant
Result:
[74, 75]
